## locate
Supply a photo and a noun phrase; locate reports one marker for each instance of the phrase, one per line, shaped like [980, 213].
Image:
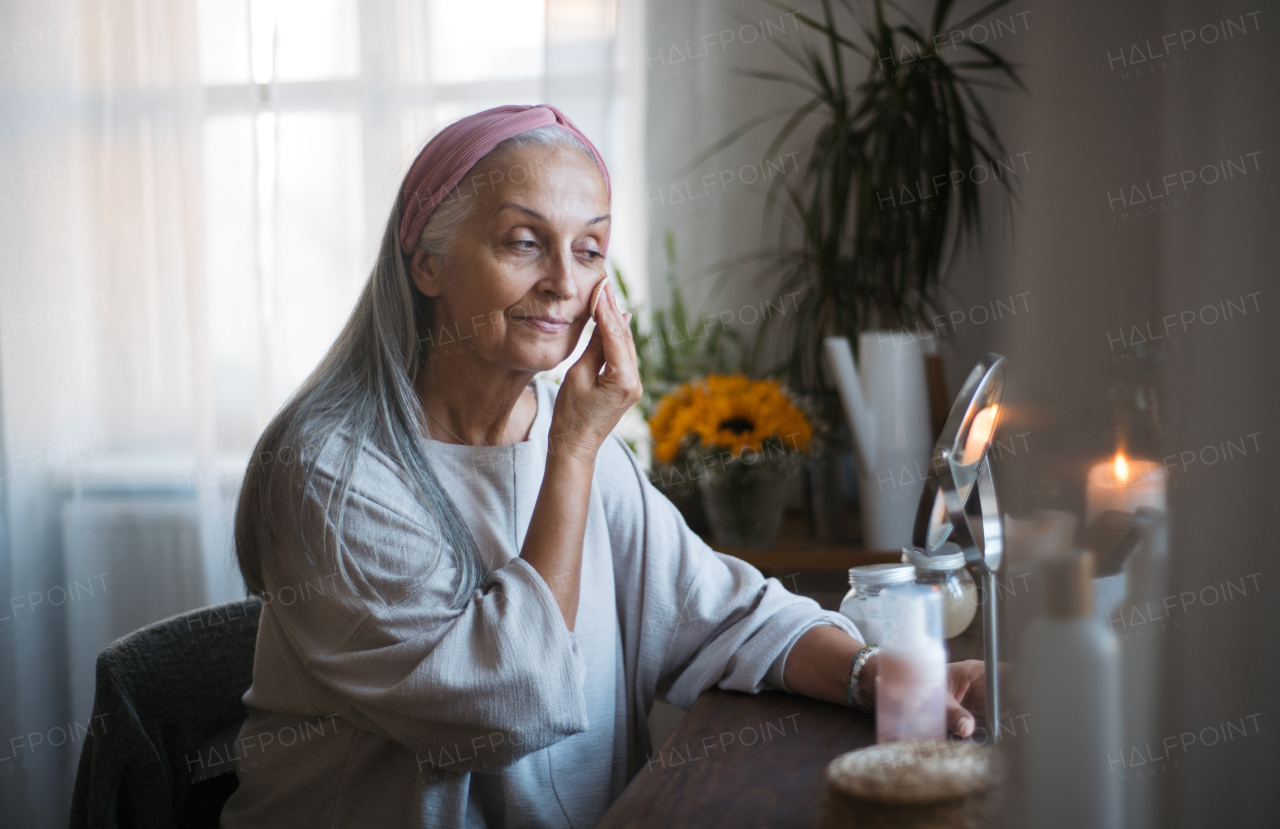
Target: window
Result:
[313, 111]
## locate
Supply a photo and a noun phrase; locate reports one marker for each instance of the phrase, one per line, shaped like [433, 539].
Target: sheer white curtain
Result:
[190, 199]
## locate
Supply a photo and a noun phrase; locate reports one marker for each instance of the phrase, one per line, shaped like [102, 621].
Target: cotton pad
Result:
[595, 297]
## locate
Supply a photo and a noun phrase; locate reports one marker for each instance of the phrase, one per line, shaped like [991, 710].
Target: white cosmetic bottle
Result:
[1071, 690]
[911, 674]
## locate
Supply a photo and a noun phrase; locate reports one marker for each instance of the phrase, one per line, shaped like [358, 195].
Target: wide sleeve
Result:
[501, 675]
[699, 618]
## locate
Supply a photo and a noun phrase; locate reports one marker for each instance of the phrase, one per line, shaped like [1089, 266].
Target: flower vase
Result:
[744, 505]
[685, 493]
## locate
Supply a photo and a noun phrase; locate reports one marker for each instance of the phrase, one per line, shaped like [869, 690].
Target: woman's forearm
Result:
[553, 542]
[819, 662]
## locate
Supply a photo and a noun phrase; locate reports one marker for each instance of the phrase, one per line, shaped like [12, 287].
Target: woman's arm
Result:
[553, 543]
[819, 663]
[589, 405]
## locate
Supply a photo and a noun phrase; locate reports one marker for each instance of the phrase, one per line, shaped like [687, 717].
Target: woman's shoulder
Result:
[373, 475]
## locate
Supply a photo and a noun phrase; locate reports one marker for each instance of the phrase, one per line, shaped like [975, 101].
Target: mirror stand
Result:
[982, 558]
[980, 566]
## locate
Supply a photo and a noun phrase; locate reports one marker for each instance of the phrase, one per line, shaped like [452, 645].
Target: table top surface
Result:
[796, 549]
[742, 760]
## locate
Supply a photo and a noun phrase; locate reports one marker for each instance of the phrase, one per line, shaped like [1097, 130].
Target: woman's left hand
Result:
[966, 694]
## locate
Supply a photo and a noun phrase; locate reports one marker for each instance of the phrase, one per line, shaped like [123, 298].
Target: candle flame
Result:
[1122, 468]
[984, 423]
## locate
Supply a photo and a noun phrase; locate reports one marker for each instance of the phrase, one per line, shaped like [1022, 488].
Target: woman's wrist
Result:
[570, 461]
[867, 678]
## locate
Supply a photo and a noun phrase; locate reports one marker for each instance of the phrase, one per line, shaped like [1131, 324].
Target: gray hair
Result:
[365, 386]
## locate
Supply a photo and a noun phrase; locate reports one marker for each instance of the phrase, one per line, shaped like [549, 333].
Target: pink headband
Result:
[454, 150]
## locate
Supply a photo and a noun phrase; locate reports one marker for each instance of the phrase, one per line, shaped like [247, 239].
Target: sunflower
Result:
[728, 412]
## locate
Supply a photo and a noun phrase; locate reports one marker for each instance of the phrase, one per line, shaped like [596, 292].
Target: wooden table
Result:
[795, 549]
[742, 760]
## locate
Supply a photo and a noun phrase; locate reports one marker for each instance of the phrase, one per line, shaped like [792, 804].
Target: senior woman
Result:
[487, 593]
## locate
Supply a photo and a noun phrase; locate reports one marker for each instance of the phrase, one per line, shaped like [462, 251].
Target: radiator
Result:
[129, 562]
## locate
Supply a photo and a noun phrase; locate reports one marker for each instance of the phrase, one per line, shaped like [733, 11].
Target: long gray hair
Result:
[365, 386]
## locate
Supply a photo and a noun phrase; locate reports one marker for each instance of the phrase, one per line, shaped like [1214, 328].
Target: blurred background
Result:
[192, 191]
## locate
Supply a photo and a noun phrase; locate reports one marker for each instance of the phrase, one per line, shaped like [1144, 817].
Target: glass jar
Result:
[948, 575]
[861, 605]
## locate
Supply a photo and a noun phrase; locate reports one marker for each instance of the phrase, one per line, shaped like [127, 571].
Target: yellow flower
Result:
[732, 413]
[670, 422]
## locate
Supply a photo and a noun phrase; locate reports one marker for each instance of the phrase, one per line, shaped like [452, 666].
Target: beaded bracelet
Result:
[851, 689]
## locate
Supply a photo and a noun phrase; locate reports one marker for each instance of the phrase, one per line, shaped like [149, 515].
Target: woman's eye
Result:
[591, 255]
[525, 244]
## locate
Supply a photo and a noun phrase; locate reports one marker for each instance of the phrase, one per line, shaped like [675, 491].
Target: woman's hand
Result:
[818, 667]
[589, 405]
[591, 401]
[966, 694]
[966, 691]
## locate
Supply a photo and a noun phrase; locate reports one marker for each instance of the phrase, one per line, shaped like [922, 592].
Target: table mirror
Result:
[958, 503]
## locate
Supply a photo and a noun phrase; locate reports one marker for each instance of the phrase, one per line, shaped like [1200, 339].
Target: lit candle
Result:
[1124, 485]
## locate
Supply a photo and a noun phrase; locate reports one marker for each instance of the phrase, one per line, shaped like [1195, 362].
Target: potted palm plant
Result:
[887, 196]
[885, 199]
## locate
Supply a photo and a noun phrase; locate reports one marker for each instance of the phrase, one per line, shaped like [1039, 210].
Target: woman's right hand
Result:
[591, 402]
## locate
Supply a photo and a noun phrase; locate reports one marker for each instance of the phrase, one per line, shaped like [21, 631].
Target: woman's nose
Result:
[559, 277]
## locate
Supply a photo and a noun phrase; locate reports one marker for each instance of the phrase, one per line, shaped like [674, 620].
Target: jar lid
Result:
[881, 575]
[947, 561]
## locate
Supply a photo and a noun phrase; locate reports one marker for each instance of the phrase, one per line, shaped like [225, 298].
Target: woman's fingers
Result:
[959, 720]
[965, 685]
[620, 356]
[603, 383]
[969, 683]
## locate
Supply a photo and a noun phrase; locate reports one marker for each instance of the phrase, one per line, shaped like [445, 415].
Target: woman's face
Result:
[513, 291]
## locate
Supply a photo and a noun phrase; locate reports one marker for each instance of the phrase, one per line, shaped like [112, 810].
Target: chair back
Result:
[160, 693]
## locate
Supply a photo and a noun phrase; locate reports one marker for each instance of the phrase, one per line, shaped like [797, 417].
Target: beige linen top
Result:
[385, 707]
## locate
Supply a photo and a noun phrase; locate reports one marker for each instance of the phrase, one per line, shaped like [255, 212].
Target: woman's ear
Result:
[425, 273]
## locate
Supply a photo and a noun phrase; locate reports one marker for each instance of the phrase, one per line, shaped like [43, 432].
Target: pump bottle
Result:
[1071, 690]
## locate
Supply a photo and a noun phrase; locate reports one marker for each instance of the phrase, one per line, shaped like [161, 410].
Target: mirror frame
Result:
[942, 514]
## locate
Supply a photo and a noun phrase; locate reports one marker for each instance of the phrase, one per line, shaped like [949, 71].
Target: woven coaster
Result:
[911, 785]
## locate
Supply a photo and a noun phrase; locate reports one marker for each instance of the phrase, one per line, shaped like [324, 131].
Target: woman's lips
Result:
[551, 325]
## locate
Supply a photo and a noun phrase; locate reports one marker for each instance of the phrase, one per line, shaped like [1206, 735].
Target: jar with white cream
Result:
[861, 605]
[947, 575]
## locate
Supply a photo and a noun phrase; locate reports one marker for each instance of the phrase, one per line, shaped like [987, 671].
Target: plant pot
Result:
[686, 494]
[830, 477]
[744, 505]
[831, 496]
